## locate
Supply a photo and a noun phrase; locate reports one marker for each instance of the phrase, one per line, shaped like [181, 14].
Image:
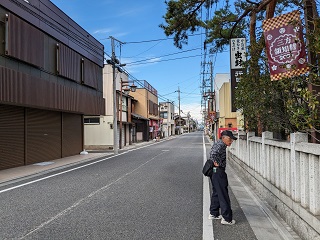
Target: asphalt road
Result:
[154, 192]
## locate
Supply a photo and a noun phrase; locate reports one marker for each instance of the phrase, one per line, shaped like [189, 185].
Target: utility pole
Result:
[211, 78]
[212, 104]
[179, 111]
[115, 112]
[115, 64]
[188, 115]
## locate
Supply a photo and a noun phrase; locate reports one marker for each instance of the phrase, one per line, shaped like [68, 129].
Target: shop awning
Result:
[137, 116]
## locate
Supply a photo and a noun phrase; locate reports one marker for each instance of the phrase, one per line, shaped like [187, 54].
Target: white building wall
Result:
[108, 89]
[99, 136]
[168, 126]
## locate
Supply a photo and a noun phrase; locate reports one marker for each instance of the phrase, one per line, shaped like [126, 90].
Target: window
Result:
[155, 109]
[124, 104]
[92, 120]
[164, 114]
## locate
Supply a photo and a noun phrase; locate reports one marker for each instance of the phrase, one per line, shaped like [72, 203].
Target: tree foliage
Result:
[281, 106]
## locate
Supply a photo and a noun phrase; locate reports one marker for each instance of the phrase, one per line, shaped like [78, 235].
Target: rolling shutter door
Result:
[72, 134]
[11, 136]
[43, 135]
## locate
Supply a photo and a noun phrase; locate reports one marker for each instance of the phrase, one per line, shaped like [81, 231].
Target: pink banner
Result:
[285, 47]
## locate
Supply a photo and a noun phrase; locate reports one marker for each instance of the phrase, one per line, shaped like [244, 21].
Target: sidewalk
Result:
[28, 171]
[264, 222]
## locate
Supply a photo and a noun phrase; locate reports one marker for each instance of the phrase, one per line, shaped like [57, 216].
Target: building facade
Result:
[167, 122]
[50, 76]
[219, 80]
[146, 107]
[228, 119]
[99, 129]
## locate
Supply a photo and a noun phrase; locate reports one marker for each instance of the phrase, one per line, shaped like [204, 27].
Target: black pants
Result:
[220, 196]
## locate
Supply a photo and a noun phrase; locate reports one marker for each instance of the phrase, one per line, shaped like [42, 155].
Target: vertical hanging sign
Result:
[237, 57]
[284, 46]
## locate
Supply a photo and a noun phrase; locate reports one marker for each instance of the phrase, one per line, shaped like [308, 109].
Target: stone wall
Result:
[285, 174]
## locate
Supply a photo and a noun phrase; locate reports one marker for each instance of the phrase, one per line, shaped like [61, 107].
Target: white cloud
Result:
[102, 31]
[194, 109]
[136, 68]
[120, 34]
[154, 60]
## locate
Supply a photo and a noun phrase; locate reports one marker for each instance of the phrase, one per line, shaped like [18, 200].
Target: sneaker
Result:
[228, 223]
[211, 217]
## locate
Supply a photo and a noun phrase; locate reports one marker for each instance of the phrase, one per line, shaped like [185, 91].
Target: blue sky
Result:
[136, 24]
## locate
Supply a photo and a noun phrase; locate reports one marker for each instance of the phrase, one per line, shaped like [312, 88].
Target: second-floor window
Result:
[124, 104]
[164, 114]
[153, 108]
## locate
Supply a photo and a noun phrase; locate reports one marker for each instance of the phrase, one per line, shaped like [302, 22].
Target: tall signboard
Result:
[237, 58]
[285, 47]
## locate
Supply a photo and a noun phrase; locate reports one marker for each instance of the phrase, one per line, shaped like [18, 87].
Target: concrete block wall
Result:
[286, 175]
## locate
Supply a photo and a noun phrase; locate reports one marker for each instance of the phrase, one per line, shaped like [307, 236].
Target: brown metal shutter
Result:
[72, 134]
[11, 136]
[43, 138]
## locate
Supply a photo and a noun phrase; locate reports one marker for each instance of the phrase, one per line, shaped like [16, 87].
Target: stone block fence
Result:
[285, 174]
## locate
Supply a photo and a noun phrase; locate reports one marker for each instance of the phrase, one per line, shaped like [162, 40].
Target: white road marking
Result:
[87, 198]
[207, 227]
[70, 170]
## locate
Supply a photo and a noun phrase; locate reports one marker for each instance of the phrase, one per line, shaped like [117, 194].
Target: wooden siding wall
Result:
[153, 108]
[73, 66]
[47, 17]
[69, 63]
[23, 89]
[92, 75]
[25, 42]
[129, 104]
[20, 85]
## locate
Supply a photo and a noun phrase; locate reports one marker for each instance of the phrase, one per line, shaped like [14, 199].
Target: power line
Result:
[154, 40]
[145, 50]
[134, 64]
[170, 54]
